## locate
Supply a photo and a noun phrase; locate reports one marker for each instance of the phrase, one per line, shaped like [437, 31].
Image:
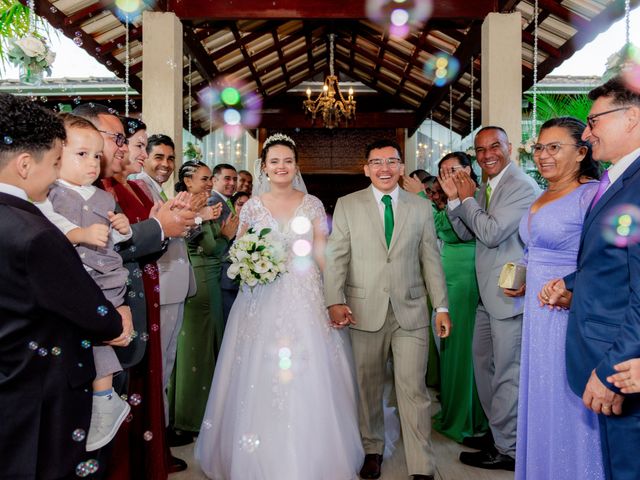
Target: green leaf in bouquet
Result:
[263, 232]
[260, 248]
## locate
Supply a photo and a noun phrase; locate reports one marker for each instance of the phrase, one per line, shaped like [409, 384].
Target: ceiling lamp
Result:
[330, 104]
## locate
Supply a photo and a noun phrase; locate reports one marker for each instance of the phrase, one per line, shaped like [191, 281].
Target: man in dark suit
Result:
[50, 309]
[604, 291]
[225, 181]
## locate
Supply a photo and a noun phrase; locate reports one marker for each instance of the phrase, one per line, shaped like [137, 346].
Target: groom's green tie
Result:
[388, 218]
[163, 195]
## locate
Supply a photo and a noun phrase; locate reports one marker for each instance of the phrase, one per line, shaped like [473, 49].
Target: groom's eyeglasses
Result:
[393, 162]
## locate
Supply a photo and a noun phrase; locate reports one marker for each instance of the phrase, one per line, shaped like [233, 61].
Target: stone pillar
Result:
[162, 80]
[502, 75]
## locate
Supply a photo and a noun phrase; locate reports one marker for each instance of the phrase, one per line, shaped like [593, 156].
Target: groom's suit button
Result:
[388, 260]
[385, 289]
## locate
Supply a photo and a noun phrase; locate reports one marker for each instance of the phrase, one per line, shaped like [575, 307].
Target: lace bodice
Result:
[255, 214]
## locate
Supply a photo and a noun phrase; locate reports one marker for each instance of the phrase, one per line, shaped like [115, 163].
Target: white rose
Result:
[233, 270]
[32, 47]
[241, 255]
[252, 282]
[263, 266]
[255, 256]
[270, 276]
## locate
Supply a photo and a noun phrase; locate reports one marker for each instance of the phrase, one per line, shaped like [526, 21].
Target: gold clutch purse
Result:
[512, 276]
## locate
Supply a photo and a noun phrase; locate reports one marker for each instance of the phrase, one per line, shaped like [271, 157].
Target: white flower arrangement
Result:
[32, 53]
[255, 259]
[527, 147]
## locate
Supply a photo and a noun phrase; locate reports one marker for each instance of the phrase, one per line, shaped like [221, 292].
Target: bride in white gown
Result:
[282, 405]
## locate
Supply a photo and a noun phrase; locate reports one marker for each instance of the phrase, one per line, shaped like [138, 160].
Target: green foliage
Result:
[556, 105]
[14, 23]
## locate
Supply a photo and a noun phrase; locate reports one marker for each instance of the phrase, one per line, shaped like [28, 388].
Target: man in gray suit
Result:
[176, 276]
[225, 181]
[382, 261]
[493, 220]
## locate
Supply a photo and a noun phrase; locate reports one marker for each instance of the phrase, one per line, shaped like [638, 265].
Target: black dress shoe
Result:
[178, 438]
[176, 464]
[422, 477]
[488, 459]
[485, 442]
[372, 467]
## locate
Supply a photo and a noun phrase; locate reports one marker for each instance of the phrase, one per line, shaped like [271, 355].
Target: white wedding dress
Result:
[282, 405]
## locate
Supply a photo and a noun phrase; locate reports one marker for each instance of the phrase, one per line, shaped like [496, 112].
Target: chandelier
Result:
[330, 104]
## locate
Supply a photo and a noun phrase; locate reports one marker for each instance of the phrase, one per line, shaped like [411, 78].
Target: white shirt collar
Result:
[13, 190]
[224, 197]
[617, 169]
[394, 194]
[85, 191]
[493, 182]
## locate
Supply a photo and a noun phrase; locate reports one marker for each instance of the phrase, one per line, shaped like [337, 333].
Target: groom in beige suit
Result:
[382, 262]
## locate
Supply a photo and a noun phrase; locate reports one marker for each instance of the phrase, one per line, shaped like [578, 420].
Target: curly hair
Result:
[27, 127]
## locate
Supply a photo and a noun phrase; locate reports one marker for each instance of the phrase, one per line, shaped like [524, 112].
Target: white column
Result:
[410, 147]
[502, 74]
[162, 80]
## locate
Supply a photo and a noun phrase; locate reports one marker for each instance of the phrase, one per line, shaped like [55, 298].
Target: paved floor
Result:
[394, 466]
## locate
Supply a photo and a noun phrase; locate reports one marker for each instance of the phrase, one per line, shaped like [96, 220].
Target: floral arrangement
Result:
[192, 152]
[527, 147]
[255, 259]
[32, 54]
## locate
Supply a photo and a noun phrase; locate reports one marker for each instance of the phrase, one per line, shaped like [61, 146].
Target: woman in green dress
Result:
[461, 414]
[203, 325]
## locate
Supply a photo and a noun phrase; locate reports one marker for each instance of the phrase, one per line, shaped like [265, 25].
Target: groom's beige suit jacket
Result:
[366, 275]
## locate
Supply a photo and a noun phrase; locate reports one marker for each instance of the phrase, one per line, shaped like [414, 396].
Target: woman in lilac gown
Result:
[558, 437]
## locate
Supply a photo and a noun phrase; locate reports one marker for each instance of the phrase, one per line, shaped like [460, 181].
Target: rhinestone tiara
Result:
[278, 137]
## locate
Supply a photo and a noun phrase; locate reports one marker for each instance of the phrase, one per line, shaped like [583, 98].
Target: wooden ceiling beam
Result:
[554, 8]
[199, 55]
[263, 29]
[247, 60]
[283, 64]
[470, 48]
[370, 56]
[293, 72]
[378, 80]
[84, 13]
[314, 9]
[115, 43]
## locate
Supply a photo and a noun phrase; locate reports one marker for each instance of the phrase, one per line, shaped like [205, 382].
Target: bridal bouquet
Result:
[255, 259]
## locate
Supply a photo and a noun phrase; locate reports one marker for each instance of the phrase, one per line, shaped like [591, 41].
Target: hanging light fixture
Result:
[330, 104]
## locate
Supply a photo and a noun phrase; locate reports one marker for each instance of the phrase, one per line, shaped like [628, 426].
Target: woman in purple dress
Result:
[558, 438]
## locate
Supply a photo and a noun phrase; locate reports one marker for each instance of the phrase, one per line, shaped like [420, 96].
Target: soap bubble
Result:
[621, 225]
[441, 69]
[399, 15]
